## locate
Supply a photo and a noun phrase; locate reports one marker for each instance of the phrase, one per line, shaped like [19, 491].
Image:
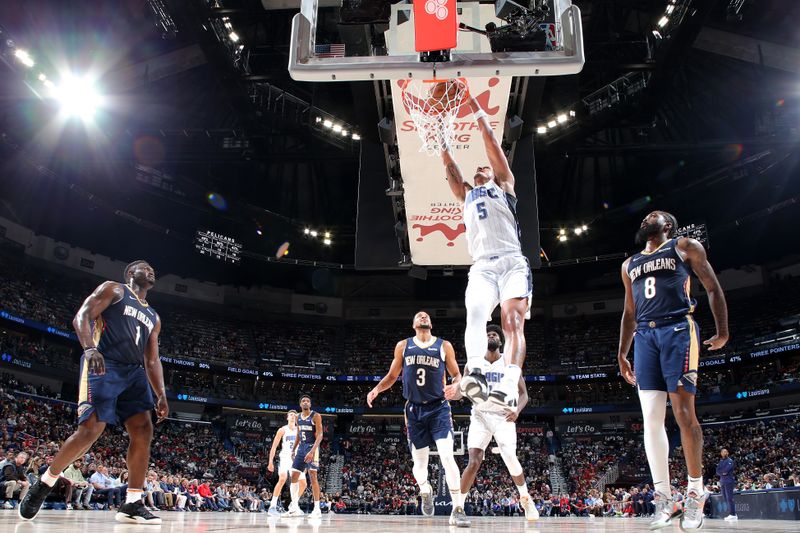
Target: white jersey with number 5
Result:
[490, 215]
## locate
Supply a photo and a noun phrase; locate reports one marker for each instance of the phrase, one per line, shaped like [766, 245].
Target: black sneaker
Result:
[136, 513]
[32, 502]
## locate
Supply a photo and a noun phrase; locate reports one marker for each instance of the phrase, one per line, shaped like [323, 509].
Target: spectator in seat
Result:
[13, 481]
[104, 486]
[81, 489]
[209, 499]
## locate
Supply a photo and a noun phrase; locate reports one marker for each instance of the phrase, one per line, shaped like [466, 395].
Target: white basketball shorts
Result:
[284, 464]
[495, 280]
[483, 425]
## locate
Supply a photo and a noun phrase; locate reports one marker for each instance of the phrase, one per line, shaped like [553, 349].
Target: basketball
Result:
[445, 95]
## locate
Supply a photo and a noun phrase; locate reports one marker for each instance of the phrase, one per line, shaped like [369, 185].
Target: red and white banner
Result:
[435, 222]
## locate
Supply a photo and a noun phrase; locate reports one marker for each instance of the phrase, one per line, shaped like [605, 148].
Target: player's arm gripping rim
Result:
[275, 441]
[627, 328]
[104, 295]
[317, 441]
[497, 158]
[454, 177]
[523, 401]
[155, 372]
[391, 377]
[695, 255]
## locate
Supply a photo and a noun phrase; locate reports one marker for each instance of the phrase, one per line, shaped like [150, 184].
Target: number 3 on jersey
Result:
[482, 212]
[650, 287]
[421, 377]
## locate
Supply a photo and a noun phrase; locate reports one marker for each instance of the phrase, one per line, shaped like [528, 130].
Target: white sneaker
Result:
[273, 510]
[731, 518]
[7, 505]
[316, 513]
[69, 507]
[475, 387]
[293, 512]
[666, 510]
[692, 518]
[531, 514]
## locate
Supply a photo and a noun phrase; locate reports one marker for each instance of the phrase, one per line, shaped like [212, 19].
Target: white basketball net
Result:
[434, 116]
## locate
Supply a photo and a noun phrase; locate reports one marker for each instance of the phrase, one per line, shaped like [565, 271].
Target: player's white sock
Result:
[457, 500]
[695, 484]
[316, 505]
[451, 473]
[294, 491]
[425, 488]
[48, 478]
[133, 495]
[656, 443]
[475, 340]
[523, 489]
[274, 501]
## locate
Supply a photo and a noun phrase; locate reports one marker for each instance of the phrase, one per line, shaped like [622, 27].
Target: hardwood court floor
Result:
[103, 522]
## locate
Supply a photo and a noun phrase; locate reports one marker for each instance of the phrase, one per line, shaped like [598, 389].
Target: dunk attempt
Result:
[500, 273]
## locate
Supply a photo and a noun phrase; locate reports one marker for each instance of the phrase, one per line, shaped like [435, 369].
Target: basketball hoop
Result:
[433, 106]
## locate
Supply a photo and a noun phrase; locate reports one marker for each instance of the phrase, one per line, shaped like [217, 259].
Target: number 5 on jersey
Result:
[482, 212]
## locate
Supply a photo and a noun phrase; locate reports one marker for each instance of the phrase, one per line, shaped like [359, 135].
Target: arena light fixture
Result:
[327, 234]
[307, 231]
[78, 97]
[356, 137]
[562, 238]
[670, 9]
[578, 230]
[572, 113]
[562, 118]
[344, 133]
[657, 35]
[337, 128]
[327, 123]
[24, 57]
[663, 21]
[551, 124]
[326, 242]
[233, 36]
[541, 129]
[314, 233]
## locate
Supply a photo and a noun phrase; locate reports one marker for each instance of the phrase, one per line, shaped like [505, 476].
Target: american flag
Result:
[329, 50]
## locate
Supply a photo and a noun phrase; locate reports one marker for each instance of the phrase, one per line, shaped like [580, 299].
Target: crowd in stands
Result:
[563, 345]
[188, 460]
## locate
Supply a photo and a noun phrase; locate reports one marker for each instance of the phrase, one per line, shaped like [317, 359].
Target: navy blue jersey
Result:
[306, 429]
[121, 331]
[423, 371]
[661, 283]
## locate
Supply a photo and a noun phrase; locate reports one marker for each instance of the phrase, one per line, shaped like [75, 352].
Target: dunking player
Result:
[423, 359]
[500, 273]
[306, 457]
[658, 312]
[119, 334]
[485, 423]
[286, 437]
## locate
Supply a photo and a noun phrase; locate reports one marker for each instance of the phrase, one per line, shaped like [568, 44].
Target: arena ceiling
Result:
[713, 136]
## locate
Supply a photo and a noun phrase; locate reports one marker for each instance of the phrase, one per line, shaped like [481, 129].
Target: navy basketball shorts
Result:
[299, 463]
[122, 392]
[428, 422]
[667, 356]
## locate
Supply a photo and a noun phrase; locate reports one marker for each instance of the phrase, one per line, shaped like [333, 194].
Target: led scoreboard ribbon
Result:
[218, 246]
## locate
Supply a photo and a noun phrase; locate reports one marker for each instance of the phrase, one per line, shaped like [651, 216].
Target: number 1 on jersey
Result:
[138, 334]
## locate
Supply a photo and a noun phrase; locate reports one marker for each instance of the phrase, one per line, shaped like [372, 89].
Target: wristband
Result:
[90, 348]
[478, 114]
